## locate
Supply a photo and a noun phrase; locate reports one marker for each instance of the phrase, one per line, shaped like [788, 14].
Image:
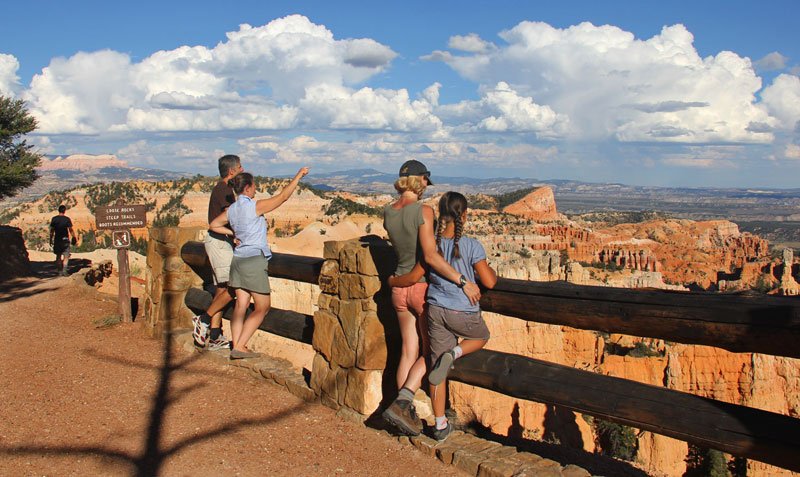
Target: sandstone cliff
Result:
[539, 205]
[82, 162]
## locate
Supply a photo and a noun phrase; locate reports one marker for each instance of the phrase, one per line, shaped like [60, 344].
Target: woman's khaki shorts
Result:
[445, 326]
[250, 274]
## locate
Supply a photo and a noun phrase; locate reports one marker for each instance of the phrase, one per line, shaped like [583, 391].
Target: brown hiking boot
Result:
[401, 416]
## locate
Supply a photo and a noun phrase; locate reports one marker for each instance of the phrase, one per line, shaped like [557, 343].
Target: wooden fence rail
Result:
[736, 322]
[752, 323]
[739, 430]
[286, 323]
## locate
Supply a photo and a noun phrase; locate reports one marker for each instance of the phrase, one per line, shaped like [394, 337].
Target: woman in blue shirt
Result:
[248, 275]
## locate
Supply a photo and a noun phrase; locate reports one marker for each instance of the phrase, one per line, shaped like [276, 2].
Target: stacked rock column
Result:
[349, 338]
[168, 280]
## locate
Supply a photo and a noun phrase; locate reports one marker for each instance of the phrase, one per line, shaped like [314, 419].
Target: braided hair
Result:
[452, 206]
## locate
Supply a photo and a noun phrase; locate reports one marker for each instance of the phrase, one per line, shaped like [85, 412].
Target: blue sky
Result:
[667, 93]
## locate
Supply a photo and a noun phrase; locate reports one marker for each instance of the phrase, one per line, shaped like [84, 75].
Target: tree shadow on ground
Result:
[15, 288]
[41, 272]
[150, 460]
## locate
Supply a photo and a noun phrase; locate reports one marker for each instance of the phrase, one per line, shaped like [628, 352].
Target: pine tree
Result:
[18, 162]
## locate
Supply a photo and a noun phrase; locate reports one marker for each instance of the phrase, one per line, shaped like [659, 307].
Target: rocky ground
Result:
[86, 399]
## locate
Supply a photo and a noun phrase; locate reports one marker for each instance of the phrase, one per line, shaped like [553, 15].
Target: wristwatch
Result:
[462, 281]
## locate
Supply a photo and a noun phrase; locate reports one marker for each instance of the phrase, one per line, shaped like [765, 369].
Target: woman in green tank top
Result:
[410, 228]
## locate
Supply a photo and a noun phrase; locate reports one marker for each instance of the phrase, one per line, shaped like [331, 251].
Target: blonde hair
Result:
[415, 184]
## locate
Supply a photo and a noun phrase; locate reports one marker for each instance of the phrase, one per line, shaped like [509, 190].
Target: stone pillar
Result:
[350, 339]
[14, 260]
[168, 280]
[789, 285]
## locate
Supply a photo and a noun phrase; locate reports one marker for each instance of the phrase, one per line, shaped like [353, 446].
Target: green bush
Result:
[524, 252]
[342, 206]
[8, 215]
[104, 194]
[703, 462]
[615, 440]
[763, 284]
[56, 198]
[511, 197]
[166, 220]
[641, 350]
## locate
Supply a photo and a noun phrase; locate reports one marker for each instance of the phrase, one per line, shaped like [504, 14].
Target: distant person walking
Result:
[249, 268]
[410, 228]
[60, 231]
[219, 248]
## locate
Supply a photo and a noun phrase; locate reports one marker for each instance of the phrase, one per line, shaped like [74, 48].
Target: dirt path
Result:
[83, 400]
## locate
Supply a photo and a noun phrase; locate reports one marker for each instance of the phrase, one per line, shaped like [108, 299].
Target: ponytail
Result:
[240, 181]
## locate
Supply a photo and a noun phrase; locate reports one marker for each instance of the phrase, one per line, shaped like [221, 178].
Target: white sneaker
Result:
[219, 344]
[200, 332]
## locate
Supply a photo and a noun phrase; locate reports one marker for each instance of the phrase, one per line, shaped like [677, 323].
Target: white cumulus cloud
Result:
[612, 85]
[289, 72]
[502, 109]
[340, 107]
[782, 98]
[9, 81]
[88, 93]
[792, 151]
[471, 43]
[772, 61]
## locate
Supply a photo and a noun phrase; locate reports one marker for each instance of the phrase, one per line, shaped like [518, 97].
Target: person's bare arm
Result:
[485, 274]
[267, 205]
[409, 278]
[218, 225]
[427, 241]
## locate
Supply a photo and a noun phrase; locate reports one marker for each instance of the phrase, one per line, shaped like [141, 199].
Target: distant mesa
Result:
[82, 162]
[539, 205]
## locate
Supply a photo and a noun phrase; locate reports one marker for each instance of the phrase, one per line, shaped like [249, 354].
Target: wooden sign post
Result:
[119, 218]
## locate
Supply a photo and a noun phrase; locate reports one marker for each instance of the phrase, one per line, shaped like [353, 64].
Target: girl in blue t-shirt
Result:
[450, 314]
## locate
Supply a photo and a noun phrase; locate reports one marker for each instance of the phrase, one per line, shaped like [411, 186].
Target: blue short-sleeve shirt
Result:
[443, 292]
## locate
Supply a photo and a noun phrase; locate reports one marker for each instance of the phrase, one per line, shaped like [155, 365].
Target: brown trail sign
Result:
[119, 218]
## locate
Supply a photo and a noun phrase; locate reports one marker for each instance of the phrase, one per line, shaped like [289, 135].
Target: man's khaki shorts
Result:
[220, 254]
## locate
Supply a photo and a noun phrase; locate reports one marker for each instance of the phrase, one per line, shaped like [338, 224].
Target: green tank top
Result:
[403, 227]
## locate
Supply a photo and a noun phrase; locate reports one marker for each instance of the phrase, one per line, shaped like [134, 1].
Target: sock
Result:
[405, 394]
[441, 422]
[205, 318]
[458, 351]
[215, 333]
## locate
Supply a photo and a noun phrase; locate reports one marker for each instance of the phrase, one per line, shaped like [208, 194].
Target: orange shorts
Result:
[410, 298]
